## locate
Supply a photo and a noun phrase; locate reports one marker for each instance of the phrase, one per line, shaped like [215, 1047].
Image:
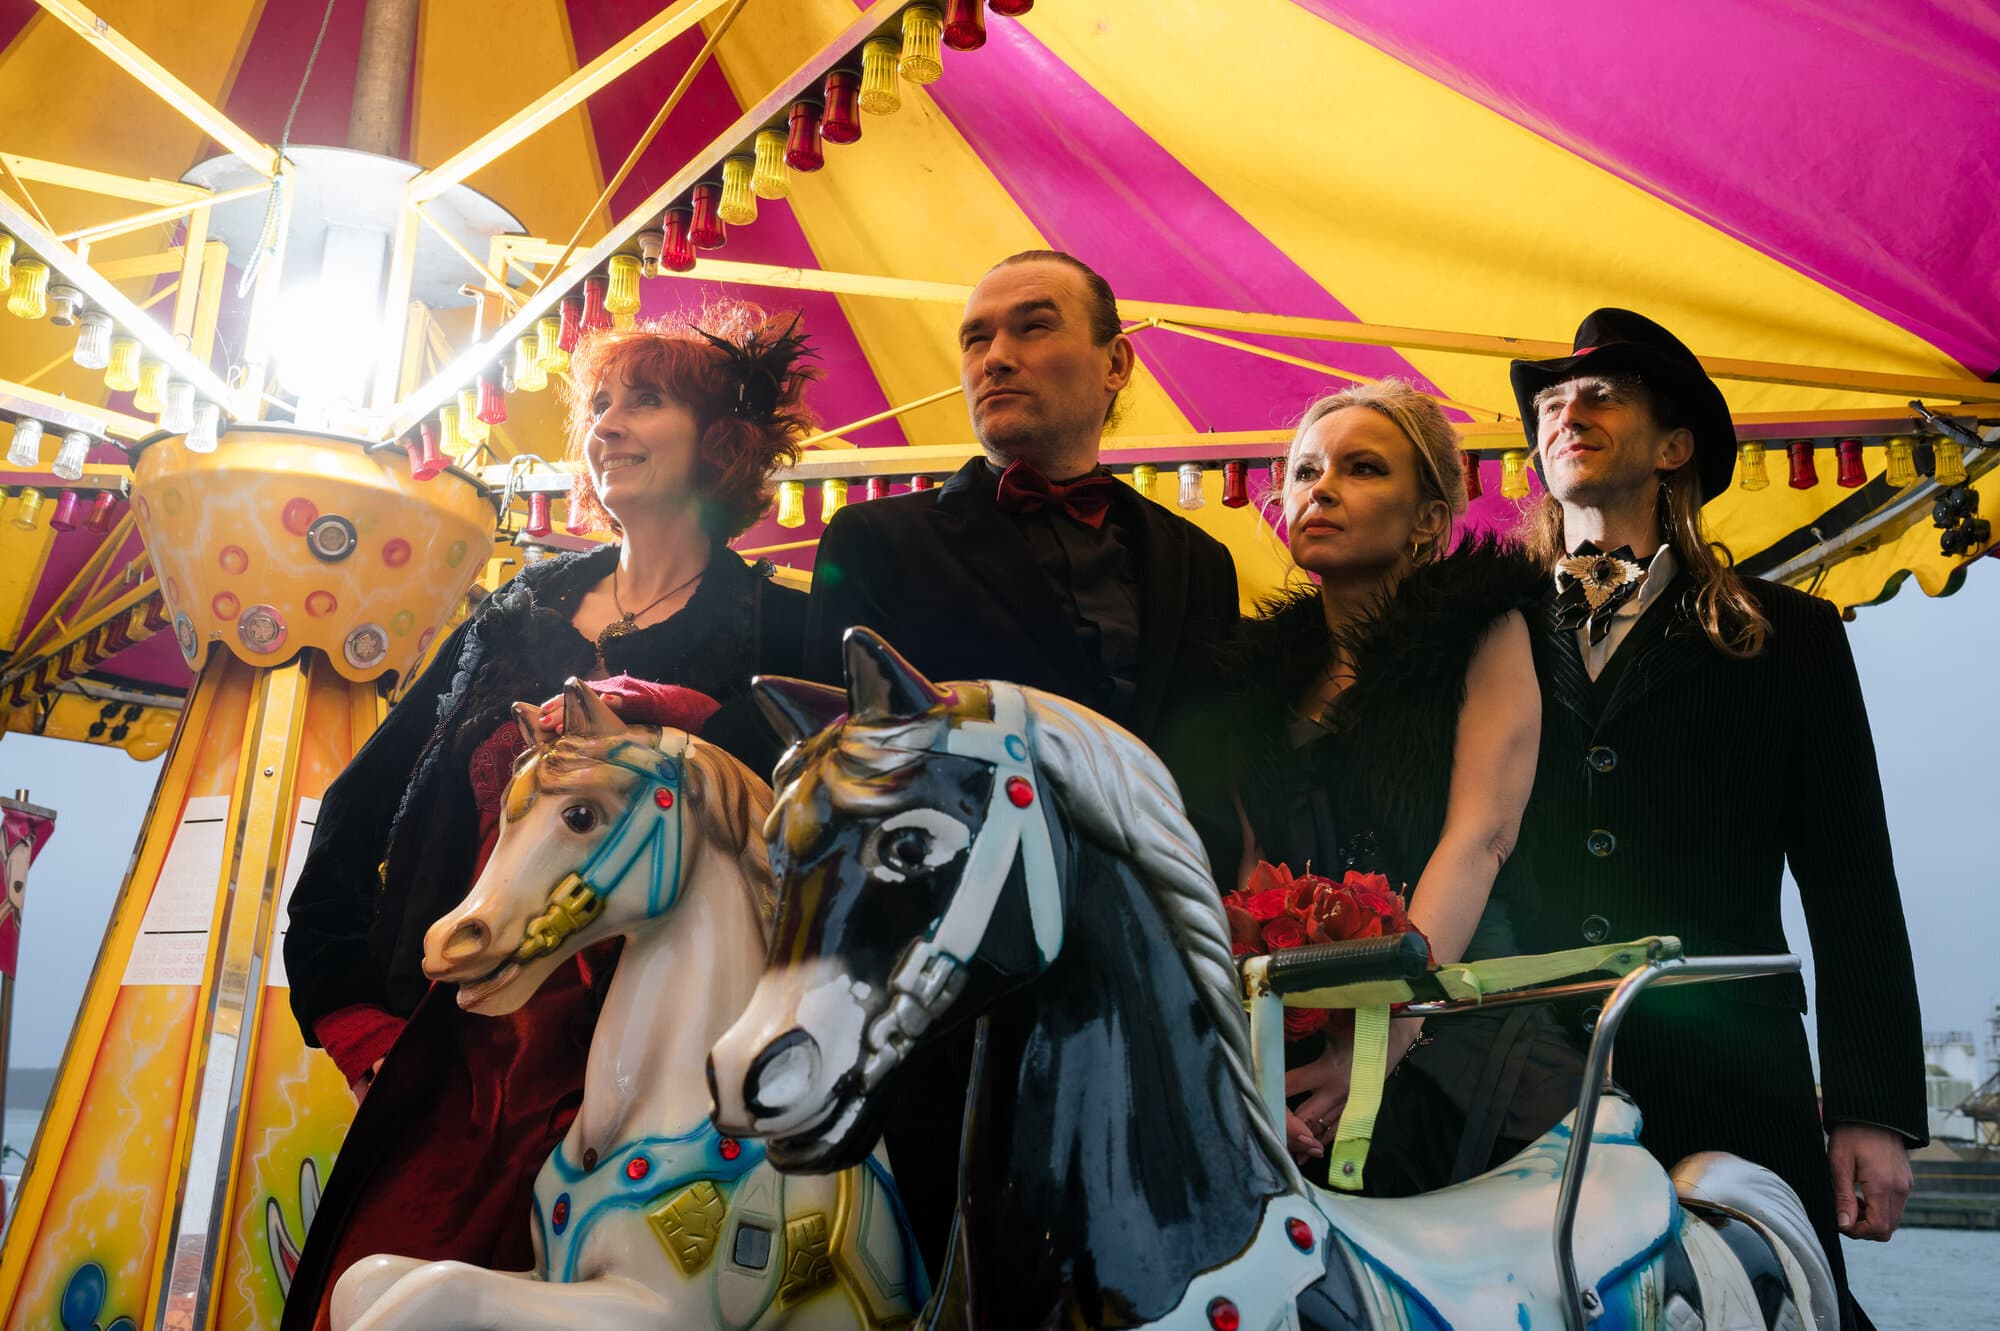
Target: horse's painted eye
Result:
[912, 842]
[579, 817]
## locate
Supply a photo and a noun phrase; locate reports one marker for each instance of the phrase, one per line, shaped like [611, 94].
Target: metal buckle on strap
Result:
[571, 907]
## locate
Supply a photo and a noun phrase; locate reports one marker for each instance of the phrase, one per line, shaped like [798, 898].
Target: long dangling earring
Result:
[1416, 551]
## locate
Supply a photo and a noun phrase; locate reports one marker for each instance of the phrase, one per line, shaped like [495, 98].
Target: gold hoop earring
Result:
[1416, 551]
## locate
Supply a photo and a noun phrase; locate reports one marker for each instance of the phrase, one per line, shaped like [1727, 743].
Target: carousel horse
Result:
[989, 851]
[645, 1215]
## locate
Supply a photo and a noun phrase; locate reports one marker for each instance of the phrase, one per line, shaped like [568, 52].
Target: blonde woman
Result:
[1386, 720]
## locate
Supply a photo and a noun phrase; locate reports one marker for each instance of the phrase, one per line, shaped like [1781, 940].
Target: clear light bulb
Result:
[205, 433]
[69, 458]
[179, 413]
[1190, 486]
[26, 450]
[93, 341]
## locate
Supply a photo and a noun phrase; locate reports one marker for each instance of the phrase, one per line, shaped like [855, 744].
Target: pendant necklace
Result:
[628, 620]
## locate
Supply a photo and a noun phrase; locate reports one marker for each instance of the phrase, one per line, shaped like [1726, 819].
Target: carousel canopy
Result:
[1287, 196]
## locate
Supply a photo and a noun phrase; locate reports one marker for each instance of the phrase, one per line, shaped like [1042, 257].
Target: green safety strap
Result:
[1364, 1098]
[1477, 980]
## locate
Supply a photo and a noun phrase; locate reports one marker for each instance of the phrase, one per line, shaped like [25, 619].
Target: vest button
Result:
[1600, 843]
[1596, 928]
[1589, 1019]
[1601, 759]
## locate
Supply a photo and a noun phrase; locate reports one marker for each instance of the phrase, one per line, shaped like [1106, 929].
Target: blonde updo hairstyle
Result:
[1440, 472]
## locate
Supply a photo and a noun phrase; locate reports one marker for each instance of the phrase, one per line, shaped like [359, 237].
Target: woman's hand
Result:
[637, 702]
[1310, 1125]
[550, 725]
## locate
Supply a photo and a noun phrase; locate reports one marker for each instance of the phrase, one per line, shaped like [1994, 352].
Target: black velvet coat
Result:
[1672, 793]
[398, 830]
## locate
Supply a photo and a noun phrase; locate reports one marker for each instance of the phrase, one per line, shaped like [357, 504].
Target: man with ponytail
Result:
[1700, 732]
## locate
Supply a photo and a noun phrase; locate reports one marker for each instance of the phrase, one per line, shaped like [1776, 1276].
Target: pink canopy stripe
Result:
[1862, 156]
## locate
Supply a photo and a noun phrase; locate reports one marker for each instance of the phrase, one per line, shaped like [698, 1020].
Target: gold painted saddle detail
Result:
[808, 1259]
[689, 1225]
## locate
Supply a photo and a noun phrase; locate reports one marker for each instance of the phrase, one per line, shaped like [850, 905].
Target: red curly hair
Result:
[734, 457]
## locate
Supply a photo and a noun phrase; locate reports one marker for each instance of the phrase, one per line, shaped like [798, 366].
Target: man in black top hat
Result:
[1032, 564]
[1700, 732]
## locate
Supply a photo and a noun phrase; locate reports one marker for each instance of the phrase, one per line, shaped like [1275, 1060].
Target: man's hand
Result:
[1871, 1179]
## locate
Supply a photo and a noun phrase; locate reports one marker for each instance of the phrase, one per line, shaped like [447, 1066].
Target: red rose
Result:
[1266, 905]
[1336, 917]
[1303, 1021]
[1265, 877]
[1282, 933]
[1244, 932]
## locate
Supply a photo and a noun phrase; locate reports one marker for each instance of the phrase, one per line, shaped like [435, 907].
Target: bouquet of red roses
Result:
[1278, 911]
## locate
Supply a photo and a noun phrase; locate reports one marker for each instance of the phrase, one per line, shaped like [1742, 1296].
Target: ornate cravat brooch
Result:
[1594, 584]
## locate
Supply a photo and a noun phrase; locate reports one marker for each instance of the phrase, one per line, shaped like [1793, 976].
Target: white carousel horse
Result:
[645, 1215]
[988, 849]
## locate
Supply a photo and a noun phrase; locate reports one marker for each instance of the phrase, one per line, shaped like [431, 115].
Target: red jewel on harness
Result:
[1300, 1233]
[639, 1166]
[1019, 793]
[730, 1148]
[1222, 1315]
[664, 798]
[559, 1213]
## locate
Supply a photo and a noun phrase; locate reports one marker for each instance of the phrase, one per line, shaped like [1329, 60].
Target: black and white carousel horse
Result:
[985, 850]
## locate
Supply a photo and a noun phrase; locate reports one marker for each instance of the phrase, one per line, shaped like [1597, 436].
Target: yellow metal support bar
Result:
[492, 278]
[202, 311]
[1327, 330]
[72, 414]
[23, 555]
[1318, 367]
[647, 38]
[715, 36]
[62, 642]
[149, 190]
[819, 440]
[143, 265]
[166, 213]
[79, 586]
[387, 386]
[27, 196]
[261, 322]
[156, 78]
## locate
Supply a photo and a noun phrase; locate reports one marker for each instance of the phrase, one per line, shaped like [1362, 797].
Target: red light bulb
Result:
[706, 229]
[427, 458]
[802, 148]
[1010, 8]
[538, 516]
[101, 509]
[595, 317]
[572, 323]
[1853, 471]
[919, 483]
[492, 399]
[1235, 484]
[878, 487]
[1805, 475]
[964, 25]
[842, 121]
[676, 245]
[1472, 487]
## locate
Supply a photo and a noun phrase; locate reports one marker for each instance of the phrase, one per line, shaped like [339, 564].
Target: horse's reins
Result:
[933, 970]
[579, 897]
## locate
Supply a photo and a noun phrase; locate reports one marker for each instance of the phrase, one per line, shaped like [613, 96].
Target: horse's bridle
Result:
[647, 826]
[932, 971]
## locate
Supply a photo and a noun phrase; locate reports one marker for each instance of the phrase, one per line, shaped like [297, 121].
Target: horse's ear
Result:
[528, 718]
[586, 715]
[796, 708]
[881, 685]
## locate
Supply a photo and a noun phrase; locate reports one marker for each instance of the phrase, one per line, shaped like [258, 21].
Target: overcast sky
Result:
[1926, 666]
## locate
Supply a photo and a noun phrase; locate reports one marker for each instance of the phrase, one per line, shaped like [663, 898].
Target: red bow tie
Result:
[1025, 490]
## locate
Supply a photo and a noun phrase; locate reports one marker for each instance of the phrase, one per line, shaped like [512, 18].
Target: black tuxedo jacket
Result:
[948, 579]
[951, 583]
[1671, 794]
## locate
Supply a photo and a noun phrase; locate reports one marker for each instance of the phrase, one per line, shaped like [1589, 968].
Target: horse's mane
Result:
[730, 802]
[1120, 795]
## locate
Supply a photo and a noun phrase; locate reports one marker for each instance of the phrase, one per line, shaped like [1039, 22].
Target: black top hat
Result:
[1619, 342]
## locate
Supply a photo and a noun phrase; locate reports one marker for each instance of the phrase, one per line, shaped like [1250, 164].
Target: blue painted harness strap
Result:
[642, 830]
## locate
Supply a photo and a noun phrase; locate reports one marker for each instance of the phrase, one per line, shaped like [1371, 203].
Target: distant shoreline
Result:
[28, 1088]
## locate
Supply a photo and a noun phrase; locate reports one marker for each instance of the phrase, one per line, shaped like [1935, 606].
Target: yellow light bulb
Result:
[739, 205]
[1902, 461]
[770, 179]
[151, 395]
[832, 497]
[29, 296]
[6, 260]
[1750, 473]
[548, 345]
[28, 514]
[791, 503]
[475, 430]
[529, 376]
[922, 60]
[121, 373]
[1948, 461]
[881, 94]
[449, 437]
[1143, 476]
[1514, 473]
[621, 285]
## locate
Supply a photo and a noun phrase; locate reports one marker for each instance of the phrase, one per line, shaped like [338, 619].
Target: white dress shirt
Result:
[1659, 572]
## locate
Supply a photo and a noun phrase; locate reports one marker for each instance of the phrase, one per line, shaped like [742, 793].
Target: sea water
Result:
[1922, 1280]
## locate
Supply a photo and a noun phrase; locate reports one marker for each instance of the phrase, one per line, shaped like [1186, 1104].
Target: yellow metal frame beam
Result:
[79, 590]
[164, 213]
[149, 190]
[122, 52]
[72, 414]
[1168, 315]
[641, 42]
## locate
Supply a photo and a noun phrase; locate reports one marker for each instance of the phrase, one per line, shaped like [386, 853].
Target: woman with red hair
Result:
[675, 429]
